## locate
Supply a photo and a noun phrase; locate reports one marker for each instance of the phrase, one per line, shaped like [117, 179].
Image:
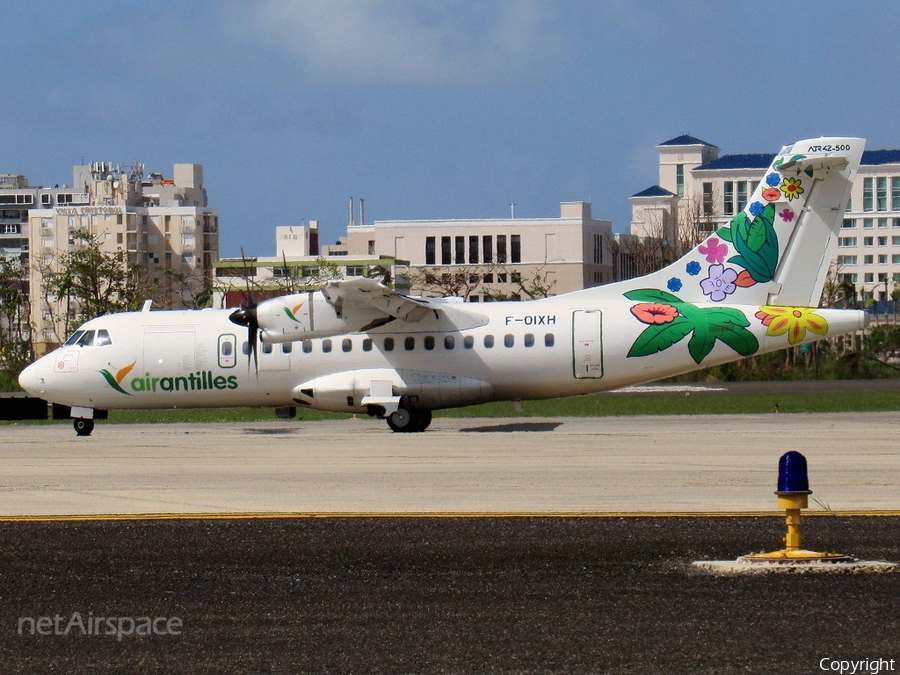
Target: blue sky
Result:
[431, 109]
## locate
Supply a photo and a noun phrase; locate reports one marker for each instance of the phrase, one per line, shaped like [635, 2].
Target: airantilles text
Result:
[200, 381]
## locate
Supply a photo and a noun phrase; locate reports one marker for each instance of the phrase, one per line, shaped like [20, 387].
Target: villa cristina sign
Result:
[90, 210]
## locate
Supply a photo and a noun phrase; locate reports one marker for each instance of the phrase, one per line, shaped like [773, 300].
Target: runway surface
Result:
[695, 464]
[427, 587]
[438, 595]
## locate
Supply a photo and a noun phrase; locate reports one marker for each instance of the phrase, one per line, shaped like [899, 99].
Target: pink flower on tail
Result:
[714, 251]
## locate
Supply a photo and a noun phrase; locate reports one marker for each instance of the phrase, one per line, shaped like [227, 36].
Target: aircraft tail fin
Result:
[778, 249]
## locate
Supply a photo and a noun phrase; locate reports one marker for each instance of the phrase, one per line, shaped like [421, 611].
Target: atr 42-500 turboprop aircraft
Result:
[357, 346]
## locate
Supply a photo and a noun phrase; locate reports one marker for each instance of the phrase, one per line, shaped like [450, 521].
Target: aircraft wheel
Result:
[421, 420]
[400, 420]
[83, 427]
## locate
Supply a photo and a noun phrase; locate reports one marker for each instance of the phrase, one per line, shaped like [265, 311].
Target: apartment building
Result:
[490, 258]
[163, 226]
[700, 189]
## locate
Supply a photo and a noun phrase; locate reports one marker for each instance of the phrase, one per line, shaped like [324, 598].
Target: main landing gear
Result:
[405, 420]
[83, 426]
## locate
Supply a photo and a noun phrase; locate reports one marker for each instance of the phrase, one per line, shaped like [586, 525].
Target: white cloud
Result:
[409, 41]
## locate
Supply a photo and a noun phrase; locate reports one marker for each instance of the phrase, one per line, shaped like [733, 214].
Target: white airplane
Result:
[356, 346]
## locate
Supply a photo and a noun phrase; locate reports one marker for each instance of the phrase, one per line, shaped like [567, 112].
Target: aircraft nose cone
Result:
[28, 379]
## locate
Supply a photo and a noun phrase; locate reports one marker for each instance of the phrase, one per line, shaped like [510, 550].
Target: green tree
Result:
[89, 282]
[15, 322]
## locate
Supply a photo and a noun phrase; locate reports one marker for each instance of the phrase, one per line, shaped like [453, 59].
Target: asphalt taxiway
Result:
[489, 546]
[692, 464]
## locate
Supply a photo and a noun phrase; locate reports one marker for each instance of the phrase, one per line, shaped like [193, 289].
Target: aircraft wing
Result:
[362, 293]
[354, 305]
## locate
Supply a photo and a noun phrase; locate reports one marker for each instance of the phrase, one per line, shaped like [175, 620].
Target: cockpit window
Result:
[103, 338]
[75, 336]
[87, 339]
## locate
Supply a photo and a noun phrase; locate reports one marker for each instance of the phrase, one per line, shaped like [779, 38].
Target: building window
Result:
[882, 259]
[679, 179]
[848, 223]
[868, 194]
[473, 249]
[846, 259]
[501, 248]
[729, 198]
[882, 241]
[446, 257]
[868, 259]
[846, 242]
[868, 241]
[869, 277]
[895, 193]
[742, 195]
[460, 258]
[881, 193]
[487, 248]
[707, 199]
[515, 248]
[883, 222]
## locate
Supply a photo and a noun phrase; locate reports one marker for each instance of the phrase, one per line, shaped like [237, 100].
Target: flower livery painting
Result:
[669, 320]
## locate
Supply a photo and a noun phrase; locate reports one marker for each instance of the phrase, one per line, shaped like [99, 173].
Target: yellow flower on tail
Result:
[794, 321]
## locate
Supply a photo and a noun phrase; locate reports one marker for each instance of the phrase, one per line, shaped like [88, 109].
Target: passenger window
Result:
[287, 347]
[326, 345]
[429, 342]
[548, 340]
[449, 342]
[367, 344]
[488, 341]
[347, 344]
[227, 348]
[87, 339]
[529, 340]
[409, 343]
[102, 338]
[509, 340]
[245, 348]
[307, 346]
[468, 342]
[388, 344]
[267, 348]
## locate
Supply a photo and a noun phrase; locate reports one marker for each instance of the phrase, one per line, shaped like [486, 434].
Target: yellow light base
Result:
[786, 555]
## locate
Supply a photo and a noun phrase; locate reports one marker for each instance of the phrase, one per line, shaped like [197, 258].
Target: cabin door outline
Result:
[587, 344]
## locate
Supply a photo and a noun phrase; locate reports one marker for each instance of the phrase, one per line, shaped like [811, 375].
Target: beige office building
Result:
[162, 225]
[700, 189]
[487, 259]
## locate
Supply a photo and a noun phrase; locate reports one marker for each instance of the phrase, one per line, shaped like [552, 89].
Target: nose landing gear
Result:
[83, 426]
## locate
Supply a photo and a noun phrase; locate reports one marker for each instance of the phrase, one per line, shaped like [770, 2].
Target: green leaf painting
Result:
[671, 320]
[756, 242]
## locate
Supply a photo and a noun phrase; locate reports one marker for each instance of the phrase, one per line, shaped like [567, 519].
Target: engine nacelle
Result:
[352, 391]
[309, 315]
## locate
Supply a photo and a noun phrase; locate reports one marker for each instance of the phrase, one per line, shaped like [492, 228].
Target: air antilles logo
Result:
[115, 381]
[292, 313]
[200, 380]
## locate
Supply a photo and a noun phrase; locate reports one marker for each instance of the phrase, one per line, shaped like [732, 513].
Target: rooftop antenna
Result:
[512, 211]
[362, 211]
[352, 223]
